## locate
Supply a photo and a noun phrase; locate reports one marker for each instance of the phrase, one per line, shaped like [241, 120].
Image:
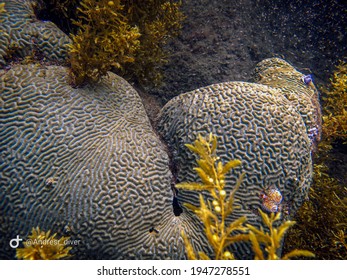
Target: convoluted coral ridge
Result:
[280, 75]
[254, 123]
[21, 34]
[84, 163]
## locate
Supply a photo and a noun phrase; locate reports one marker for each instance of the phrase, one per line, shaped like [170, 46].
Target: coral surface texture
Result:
[22, 35]
[83, 162]
[86, 163]
[267, 127]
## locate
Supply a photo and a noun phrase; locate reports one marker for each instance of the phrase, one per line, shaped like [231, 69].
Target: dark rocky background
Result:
[222, 40]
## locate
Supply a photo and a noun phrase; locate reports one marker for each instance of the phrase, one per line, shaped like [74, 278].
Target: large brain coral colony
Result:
[86, 163]
[265, 126]
[111, 173]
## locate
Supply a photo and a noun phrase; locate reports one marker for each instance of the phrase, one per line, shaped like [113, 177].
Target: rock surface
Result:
[223, 40]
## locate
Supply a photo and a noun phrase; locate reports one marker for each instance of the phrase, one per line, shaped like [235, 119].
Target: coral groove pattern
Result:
[266, 126]
[21, 34]
[85, 163]
[280, 75]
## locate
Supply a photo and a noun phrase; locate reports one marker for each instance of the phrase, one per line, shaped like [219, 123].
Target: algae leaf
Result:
[271, 239]
[42, 245]
[220, 235]
[213, 214]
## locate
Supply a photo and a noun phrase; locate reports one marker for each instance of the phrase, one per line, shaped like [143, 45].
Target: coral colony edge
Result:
[220, 175]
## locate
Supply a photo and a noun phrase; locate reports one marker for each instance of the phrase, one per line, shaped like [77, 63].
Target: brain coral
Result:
[23, 35]
[85, 163]
[279, 74]
[259, 124]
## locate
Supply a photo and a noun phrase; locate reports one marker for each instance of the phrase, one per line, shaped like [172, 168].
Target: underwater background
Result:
[220, 41]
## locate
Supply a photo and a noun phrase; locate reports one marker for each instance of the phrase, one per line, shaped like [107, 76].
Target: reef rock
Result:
[270, 128]
[21, 34]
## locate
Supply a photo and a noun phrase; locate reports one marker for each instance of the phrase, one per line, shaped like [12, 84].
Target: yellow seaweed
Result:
[124, 36]
[2, 8]
[326, 207]
[335, 105]
[220, 234]
[42, 245]
[271, 239]
[213, 214]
